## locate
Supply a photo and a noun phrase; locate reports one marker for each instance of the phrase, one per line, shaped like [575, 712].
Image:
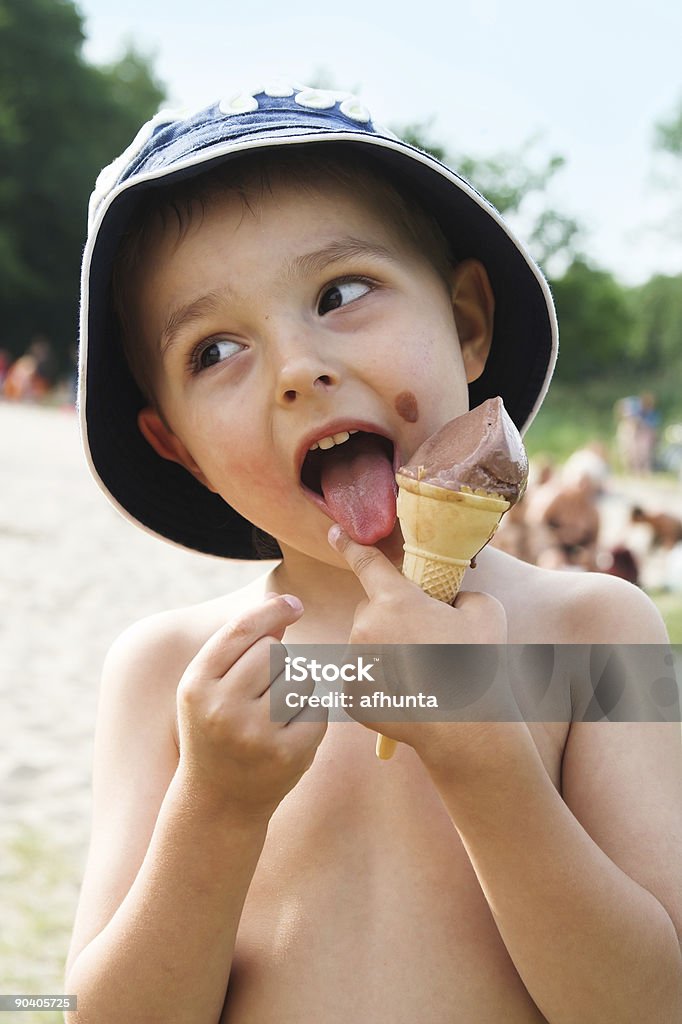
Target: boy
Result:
[286, 279]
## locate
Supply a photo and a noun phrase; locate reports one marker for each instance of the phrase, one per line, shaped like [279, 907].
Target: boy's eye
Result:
[340, 294]
[214, 352]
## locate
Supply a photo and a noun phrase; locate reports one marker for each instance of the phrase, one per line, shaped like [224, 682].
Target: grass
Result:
[572, 415]
[38, 886]
[566, 423]
[670, 607]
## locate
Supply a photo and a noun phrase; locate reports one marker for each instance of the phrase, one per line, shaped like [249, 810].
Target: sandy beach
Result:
[74, 575]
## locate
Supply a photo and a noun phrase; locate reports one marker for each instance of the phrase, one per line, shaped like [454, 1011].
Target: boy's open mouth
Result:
[352, 477]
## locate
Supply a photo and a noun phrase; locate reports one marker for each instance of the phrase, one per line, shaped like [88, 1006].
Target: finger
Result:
[259, 675]
[251, 676]
[307, 730]
[287, 699]
[222, 650]
[309, 717]
[278, 655]
[372, 568]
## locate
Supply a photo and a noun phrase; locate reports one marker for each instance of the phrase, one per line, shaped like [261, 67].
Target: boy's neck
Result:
[330, 594]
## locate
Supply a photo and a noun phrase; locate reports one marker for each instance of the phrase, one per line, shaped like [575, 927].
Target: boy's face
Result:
[301, 316]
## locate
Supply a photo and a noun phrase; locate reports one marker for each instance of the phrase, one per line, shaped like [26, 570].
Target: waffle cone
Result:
[443, 530]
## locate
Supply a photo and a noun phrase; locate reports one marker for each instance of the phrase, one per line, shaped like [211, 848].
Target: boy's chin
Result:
[390, 546]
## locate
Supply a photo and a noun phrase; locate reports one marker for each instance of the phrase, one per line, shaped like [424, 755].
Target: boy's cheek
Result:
[265, 499]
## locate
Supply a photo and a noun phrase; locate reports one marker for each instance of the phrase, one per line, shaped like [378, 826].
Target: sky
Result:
[586, 80]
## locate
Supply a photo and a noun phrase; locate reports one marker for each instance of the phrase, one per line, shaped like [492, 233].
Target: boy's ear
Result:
[166, 444]
[473, 303]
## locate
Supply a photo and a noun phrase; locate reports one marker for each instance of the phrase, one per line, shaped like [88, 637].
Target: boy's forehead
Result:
[310, 227]
[366, 197]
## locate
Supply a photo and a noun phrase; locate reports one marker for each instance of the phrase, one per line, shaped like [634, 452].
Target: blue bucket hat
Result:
[162, 497]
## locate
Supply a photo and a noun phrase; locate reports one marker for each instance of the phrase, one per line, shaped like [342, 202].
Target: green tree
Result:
[512, 181]
[657, 330]
[61, 121]
[668, 134]
[596, 322]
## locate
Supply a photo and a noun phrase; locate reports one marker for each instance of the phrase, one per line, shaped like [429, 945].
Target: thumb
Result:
[372, 568]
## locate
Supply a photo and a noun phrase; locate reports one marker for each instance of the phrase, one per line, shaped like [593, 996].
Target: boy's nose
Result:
[302, 371]
[303, 380]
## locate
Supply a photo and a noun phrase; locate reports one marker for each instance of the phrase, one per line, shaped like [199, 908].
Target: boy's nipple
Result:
[406, 406]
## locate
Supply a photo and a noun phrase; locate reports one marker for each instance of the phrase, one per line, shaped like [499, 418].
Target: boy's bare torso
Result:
[364, 904]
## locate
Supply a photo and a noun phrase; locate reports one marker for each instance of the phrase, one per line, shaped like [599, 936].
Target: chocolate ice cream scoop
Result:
[481, 451]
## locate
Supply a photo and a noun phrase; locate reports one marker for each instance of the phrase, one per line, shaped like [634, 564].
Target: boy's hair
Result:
[250, 178]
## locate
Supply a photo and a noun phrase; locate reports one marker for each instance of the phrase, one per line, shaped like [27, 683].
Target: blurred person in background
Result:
[638, 424]
[666, 529]
[31, 376]
[649, 422]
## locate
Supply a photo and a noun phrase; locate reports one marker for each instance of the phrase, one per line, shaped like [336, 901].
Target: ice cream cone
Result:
[443, 530]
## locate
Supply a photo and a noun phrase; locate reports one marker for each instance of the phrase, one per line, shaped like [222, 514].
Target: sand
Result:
[74, 575]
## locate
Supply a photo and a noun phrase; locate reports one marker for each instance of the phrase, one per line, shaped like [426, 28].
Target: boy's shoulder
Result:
[573, 607]
[153, 653]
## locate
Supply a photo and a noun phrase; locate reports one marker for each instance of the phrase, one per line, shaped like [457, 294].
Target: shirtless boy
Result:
[278, 279]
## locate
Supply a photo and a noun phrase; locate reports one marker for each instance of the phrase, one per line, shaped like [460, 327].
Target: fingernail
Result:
[293, 602]
[334, 534]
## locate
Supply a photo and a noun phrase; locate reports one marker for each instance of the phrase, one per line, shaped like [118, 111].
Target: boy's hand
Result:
[397, 611]
[229, 746]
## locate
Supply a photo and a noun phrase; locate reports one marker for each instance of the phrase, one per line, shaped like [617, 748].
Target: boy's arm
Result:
[176, 841]
[585, 892]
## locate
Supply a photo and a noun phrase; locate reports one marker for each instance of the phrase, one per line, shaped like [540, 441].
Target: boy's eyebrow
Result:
[187, 314]
[336, 251]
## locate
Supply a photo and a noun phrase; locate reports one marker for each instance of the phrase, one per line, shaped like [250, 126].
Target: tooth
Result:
[313, 447]
[340, 438]
[352, 431]
[326, 442]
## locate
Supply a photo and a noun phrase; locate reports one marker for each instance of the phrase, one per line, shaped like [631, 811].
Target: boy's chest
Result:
[364, 880]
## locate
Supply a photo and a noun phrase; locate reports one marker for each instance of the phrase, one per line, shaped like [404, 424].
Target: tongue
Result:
[359, 488]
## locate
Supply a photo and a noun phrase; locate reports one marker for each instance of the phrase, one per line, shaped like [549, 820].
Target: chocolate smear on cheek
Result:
[406, 406]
